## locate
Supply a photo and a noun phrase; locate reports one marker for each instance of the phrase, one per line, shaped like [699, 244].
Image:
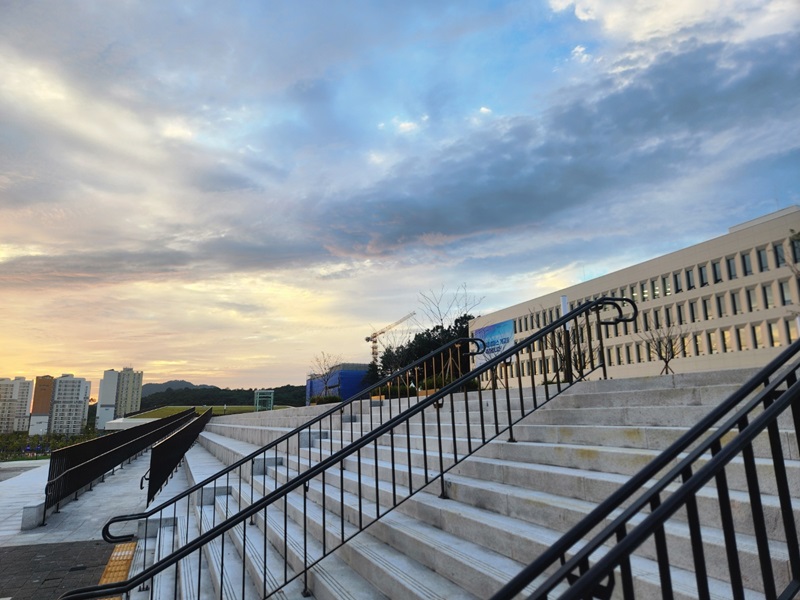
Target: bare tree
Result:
[664, 343]
[323, 367]
[572, 351]
[442, 308]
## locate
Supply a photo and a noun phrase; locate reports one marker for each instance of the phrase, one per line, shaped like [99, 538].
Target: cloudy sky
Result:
[219, 191]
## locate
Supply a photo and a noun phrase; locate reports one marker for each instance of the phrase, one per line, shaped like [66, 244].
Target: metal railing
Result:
[717, 449]
[71, 456]
[83, 464]
[166, 455]
[443, 364]
[333, 495]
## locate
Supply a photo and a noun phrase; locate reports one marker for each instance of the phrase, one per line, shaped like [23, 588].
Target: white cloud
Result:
[579, 54]
[641, 20]
[486, 111]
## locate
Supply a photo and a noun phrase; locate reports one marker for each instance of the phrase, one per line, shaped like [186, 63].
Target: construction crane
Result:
[374, 337]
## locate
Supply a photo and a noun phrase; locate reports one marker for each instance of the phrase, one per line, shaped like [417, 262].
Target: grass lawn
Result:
[167, 411]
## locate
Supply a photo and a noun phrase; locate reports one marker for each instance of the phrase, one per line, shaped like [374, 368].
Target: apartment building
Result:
[730, 302]
[69, 408]
[15, 401]
[40, 408]
[120, 394]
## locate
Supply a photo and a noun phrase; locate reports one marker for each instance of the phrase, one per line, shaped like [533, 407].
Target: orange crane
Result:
[374, 337]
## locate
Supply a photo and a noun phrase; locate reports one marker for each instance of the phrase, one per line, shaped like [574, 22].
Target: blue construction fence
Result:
[346, 380]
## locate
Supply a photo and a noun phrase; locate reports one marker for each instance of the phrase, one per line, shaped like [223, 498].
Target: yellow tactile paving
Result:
[119, 563]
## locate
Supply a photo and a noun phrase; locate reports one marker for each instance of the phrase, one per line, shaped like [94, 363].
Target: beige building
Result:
[15, 401]
[730, 302]
[70, 405]
[120, 394]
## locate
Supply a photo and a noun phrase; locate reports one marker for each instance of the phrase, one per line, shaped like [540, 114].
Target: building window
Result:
[791, 330]
[665, 283]
[679, 311]
[676, 279]
[731, 264]
[796, 250]
[758, 341]
[690, 278]
[763, 264]
[656, 318]
[752, 303]
[741, 338]
[655, 289]
[645, 322]
[721, 305]
[786, 293]
[747, 266]
[693, 312]
[634, 293]
[774, 335]
[726, 341]
[716, 271]
[697, 343]
[668, 316]
[643, 286]
[638, 353]
[619, 355]
[712, 342]
[703, 275]
[768, 300]
[780, 257]
[736, 305]
[707, 309]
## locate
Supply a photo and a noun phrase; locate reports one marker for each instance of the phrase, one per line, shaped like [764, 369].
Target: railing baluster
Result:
[759, 524]
[728, 530]
[662, 555]
[696, 539]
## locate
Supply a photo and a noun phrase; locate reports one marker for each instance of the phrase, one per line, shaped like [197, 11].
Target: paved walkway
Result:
[69, 551]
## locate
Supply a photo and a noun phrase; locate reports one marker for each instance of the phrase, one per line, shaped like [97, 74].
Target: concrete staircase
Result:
[505, 505]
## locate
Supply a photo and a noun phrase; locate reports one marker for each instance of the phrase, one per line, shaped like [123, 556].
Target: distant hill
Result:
[175, 384]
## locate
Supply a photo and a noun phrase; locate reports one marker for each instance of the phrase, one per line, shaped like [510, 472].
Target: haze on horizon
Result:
[219, 192]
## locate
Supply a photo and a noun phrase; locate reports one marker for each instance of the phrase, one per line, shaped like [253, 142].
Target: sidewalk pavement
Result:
[69, 551]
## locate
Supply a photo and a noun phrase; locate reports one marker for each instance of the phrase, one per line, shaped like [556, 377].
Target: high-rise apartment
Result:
[40, 409]
[129, 392]
[120, 394]
[15, 400]
[70, 406]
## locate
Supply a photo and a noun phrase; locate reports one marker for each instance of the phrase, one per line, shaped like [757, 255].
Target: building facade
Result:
[15, 401]
[106, 399]
[120, 394]
[69, 408]
[40, 408]
[729, 302]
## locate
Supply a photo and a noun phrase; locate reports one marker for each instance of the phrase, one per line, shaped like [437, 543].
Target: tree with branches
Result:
[323, 368]
[664, 343]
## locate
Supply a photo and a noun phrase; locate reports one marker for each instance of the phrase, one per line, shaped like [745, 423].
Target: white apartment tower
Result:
[15, 401]
[70, 406]
[120, 394]
[107, 398]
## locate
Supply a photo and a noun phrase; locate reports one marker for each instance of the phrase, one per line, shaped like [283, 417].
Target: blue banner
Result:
[498, 337]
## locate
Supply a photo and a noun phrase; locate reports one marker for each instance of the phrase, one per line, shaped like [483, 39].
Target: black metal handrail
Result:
[167, 454]
[71, 456]
[580, 356]
[590, 565]
[85, 473]
[440, 363]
